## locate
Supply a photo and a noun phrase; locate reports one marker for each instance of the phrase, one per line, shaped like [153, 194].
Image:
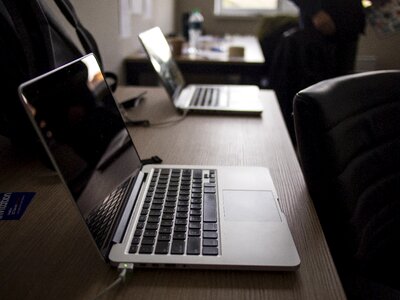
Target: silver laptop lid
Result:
[160, 55]
[79, 123]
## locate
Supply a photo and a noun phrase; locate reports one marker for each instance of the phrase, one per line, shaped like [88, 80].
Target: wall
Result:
[218, 25]
[374, 52]
[380, 51]
[100, 17]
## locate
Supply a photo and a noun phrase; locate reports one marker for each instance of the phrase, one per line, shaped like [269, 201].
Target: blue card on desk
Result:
[13, 205]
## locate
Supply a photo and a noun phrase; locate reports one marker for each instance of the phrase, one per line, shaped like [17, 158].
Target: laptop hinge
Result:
[123, 223]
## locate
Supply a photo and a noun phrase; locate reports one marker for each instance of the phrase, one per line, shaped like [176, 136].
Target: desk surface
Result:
[48, 254]
[215, 51]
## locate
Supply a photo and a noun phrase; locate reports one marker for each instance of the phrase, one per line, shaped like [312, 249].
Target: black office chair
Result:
[348, 141]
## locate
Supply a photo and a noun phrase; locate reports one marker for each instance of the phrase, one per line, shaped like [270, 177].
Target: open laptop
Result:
[240, 99]
[152, 215]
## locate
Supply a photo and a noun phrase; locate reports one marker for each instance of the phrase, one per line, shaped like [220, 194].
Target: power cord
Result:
[124, 267]
[147, 123]
[171, 122]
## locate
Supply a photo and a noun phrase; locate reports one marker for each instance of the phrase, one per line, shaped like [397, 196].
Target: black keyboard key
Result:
[166, 216]
[194, 232]
[164, 237]
[196, 201]
[152, 226]
[210, 235]
[178, 247]
[153, 219]
[194, 225]
[210, 190]
[180, 222]
[182, 208]
[210, 251]
[210, 208]
[186, 172]
[155, 206]
[180, 228]
[195, 212]
[195, 219]
[135, 241]
[155, 213]
[179, 235]
[133, 249]
[164, 172]
[210, 185]
[148, 241]
[140, 225]
[150, 233]
[210, 226]
[165, 230]
[146, 249]
[195, 206]
[198, 174]
[193, 246]
[162, 247]
[182, 215]
[210, 243]
[167, 223]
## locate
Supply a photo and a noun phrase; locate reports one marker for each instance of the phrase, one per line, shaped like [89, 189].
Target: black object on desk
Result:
[134, 101]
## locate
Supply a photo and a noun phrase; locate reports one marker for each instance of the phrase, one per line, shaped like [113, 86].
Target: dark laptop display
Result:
[86, 137]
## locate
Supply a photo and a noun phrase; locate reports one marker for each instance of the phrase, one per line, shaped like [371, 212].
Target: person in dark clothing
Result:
[341, 22]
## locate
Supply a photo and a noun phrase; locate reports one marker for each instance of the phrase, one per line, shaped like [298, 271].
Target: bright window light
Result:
[245, 7]
[250, 4]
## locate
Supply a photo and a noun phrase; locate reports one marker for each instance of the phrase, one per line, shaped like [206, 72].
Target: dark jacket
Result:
[348, 15]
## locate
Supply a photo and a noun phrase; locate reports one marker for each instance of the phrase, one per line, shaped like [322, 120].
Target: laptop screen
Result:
[159, 53]
[80, 124]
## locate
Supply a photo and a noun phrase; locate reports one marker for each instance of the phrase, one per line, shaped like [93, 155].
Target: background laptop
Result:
[153, 215]
[243, 99]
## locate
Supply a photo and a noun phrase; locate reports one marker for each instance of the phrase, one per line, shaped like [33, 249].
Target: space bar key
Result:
[210, 208]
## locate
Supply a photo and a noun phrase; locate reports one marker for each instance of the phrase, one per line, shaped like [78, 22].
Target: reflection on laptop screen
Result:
[159, 52]
[81, 125]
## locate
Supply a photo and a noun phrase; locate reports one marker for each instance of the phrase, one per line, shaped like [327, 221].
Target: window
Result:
[251, 7]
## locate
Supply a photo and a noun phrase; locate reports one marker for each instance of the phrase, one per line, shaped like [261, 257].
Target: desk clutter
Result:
[220, 48]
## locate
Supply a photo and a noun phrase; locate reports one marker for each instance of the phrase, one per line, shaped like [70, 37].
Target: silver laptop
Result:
[241, 99]
[152, 215]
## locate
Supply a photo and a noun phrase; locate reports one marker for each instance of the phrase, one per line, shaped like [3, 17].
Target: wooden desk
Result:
[207, 66]
[48, 254]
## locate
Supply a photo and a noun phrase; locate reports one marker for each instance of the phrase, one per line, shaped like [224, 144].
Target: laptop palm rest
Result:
[254, 206]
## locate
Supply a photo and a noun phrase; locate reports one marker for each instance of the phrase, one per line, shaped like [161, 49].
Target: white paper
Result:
[124, 19]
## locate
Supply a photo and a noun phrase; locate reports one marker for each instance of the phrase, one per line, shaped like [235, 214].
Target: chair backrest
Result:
[348, 139]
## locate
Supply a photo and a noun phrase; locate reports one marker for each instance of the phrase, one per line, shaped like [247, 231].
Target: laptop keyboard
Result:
[101, 218]
[203, 96]
[179, 215]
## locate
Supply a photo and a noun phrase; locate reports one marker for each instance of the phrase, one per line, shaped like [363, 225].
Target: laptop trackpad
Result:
[256, 206]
